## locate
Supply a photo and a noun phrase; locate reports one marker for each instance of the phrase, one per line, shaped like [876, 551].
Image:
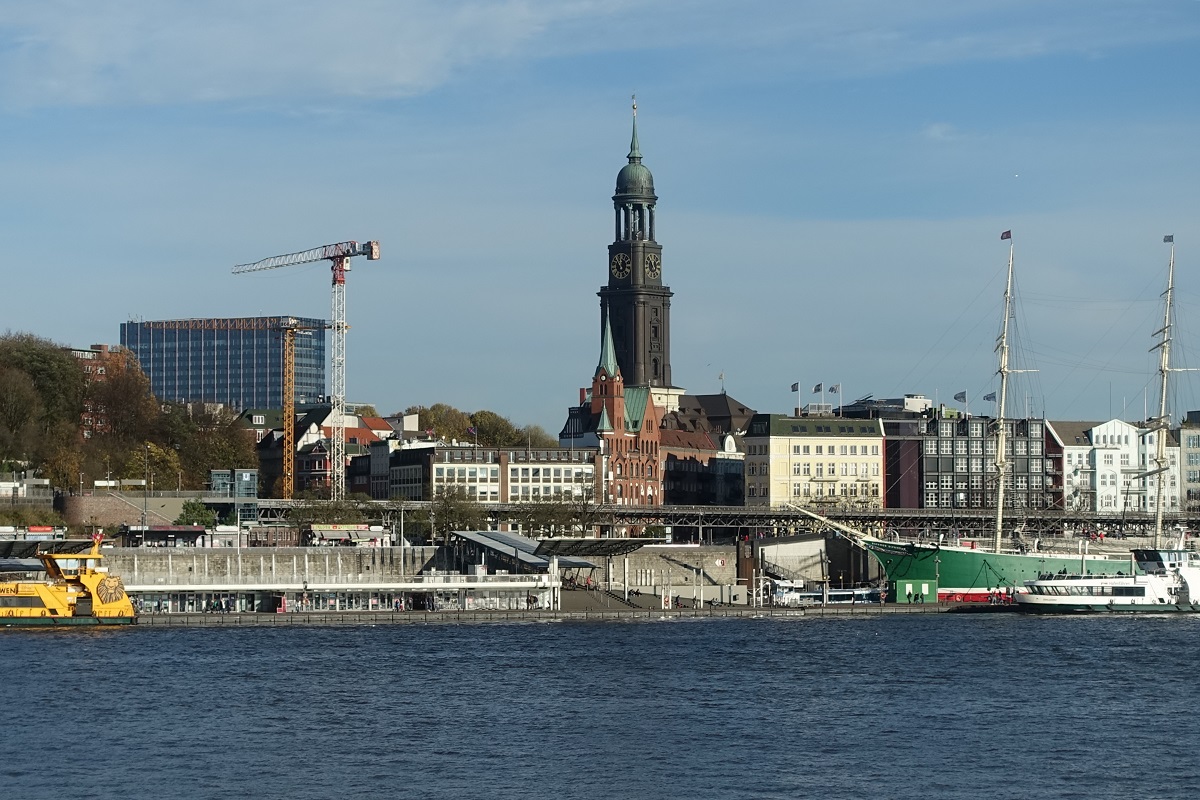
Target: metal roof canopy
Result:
[29, 548]
[591, 547]
[526, 550]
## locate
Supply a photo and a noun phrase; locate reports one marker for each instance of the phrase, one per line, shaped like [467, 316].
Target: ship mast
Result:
[1162, 424]
[1002, 371]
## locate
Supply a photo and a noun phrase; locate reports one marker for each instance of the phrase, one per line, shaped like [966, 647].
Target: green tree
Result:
[196, 513]
[20, 408]
[494, 430]
[446, 421]
[56, 374]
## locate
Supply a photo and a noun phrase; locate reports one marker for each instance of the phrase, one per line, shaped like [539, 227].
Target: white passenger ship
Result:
[1159, 581]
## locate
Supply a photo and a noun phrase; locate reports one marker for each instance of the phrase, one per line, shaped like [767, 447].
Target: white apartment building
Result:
[1105, 466]
[817, 461]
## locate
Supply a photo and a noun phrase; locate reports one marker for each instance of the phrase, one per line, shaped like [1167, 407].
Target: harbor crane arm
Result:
[339, 256]
[329, 251]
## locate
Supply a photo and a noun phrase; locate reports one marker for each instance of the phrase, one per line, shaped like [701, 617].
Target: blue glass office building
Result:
[238, 362]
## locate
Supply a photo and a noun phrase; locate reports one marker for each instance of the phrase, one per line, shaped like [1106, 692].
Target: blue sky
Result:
[832, 179]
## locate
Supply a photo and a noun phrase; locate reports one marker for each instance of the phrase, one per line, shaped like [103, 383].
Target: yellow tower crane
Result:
[339, 256]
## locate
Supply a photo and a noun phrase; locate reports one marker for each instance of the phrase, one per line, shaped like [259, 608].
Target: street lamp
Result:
[146, 492]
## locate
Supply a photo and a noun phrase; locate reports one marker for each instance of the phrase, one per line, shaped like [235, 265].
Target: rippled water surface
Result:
[928, 706]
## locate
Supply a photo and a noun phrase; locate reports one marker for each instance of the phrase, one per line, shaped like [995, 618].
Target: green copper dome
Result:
[635, 178]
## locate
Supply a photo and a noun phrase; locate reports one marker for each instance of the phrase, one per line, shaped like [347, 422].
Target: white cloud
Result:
[134, 52]
[130, 53]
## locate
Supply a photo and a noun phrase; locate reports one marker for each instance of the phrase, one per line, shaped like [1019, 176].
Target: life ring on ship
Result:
[958, 598]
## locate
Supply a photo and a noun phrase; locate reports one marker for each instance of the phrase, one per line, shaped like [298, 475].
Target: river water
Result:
[922, 706]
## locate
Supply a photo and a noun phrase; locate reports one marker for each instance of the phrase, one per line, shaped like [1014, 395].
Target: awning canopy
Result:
[24, 548]
[522, 548]
[600, 548]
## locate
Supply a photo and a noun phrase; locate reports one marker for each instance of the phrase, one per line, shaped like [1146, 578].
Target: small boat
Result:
[76, 590]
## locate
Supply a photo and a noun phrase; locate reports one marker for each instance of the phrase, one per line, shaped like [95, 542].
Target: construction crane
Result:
[339, 255]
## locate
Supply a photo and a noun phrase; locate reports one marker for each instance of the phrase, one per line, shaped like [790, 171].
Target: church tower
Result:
[635, 306]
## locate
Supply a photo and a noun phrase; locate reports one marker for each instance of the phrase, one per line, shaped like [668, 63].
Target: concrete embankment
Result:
[332, 618]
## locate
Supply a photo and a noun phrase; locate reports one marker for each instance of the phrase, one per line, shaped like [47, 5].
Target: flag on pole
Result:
[817, 388]
[429, 431]
[1006, 235]
[990, 397]
[1169, 239]
[796, 386]
[471, 430]
[835, 388]
[961, 397]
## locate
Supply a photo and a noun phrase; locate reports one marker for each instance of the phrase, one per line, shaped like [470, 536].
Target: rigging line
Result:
[1097, 342]
[1067, 361]
[984, 288]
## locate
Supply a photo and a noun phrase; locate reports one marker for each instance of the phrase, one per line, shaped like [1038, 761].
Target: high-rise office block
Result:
[237, 362]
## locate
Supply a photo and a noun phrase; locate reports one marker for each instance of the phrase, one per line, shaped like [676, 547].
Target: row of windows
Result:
[819, 490]
[977, 429]
[949, 481]
[975, 500]
[819, 449]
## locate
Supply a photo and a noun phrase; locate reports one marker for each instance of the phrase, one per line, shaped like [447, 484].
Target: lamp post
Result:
[146, 492]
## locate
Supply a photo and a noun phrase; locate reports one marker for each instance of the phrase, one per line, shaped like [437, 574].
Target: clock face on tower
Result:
[654, 265]
[620, 265]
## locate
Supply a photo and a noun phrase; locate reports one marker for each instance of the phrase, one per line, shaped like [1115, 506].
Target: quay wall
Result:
[675, 566]
[649, 568]
[351, 618]
[273, 566]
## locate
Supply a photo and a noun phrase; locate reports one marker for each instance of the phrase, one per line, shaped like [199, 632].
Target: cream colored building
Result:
[819, 461]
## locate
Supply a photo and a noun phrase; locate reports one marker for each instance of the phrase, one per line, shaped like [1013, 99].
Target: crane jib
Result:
[329, 251]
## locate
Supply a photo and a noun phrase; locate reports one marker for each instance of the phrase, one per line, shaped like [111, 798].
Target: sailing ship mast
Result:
[1162, 424]
[1002, 350]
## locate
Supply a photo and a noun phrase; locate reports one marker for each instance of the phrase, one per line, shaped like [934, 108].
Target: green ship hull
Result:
[965, 574]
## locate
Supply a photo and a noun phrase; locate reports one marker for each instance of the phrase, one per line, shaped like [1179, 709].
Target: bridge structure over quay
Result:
[704, 522]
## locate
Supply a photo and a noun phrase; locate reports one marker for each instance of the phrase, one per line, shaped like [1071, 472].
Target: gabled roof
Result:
[636, 402]
[1073, 433]
[272, 417]
[686, 440]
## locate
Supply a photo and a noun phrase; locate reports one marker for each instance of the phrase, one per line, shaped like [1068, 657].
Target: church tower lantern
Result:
[635, 306]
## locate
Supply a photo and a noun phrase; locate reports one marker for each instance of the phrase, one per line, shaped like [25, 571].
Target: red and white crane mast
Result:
[339, 255]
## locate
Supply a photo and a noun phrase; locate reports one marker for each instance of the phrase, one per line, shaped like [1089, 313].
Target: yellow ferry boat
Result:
[75, 591]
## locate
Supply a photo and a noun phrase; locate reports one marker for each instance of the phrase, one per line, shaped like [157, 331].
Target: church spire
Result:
[635, 152]
[608, 353]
